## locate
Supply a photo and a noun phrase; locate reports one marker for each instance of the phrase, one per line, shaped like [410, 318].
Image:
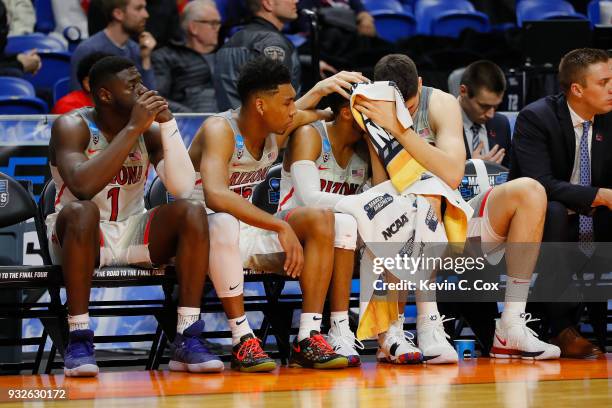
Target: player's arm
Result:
[305, 147]
[340, 83]
[83, 176]
[301, 118]
[447, 159]
[169, 155]
[217, 149]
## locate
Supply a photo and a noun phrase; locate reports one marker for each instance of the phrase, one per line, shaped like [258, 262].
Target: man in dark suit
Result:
[564, 141]
[486, 133]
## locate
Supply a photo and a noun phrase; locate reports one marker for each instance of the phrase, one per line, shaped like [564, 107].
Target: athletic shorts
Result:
[121, 242]
[480, 226]
[260, 249]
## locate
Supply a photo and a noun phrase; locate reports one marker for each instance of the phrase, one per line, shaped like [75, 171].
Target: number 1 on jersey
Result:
[113, 194]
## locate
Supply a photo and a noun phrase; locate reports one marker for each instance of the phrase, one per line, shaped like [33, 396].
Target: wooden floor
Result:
[477, 383]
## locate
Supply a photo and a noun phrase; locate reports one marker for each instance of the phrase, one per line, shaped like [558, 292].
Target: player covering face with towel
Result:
[512, 212]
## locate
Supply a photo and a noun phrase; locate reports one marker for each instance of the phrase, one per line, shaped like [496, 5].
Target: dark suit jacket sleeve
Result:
[530, 144]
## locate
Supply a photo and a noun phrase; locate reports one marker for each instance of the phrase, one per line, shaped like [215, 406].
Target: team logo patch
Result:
[274, 52]
[239, 146]
[326, 150]
[4, 194]
[377, 205]
[96, 138]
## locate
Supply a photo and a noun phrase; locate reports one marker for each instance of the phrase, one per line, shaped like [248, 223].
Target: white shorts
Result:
[480, 226]
[260, 249]
[121, 242]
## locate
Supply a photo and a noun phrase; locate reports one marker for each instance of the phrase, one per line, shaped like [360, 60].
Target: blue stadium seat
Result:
[393, 26]
[12, 86]
[45, 21]
[61, 88]
[24, 105]
[55, 66]
[593, 12]
[386, 5]
[40, 42]
[448, 17]
[530, 10]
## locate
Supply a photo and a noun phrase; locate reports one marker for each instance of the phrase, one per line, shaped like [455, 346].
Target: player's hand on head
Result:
[294, 253]
[148, 105]
[382, 113]
[340, 83]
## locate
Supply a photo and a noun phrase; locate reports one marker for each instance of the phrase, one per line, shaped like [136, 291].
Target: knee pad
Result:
[225, 262]
[346, 231]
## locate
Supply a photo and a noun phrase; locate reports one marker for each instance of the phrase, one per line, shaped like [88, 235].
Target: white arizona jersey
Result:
[244, 171]
[334, 179]
[124, 195]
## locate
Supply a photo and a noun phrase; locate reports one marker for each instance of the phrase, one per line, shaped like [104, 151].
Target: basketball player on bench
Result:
[99, 159]
[512, 212]
[325, 161]
[234, 151]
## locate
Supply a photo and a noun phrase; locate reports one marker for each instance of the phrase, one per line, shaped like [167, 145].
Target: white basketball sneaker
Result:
[516, 340]
[343, 341]
[397, 346]
[433, 340]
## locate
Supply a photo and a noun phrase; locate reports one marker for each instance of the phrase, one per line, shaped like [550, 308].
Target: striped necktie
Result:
[475, 128]
[585, 224]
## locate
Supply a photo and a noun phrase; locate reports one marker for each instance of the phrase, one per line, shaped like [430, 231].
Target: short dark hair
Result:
[105, 69]
[483, 74]
[86, 63]
[109, 5]
[253, 5]
[574, 64]
[400, 69]
[261, 74]
[335, 102]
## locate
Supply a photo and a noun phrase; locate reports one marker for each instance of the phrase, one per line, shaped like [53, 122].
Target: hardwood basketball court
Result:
[481, 382]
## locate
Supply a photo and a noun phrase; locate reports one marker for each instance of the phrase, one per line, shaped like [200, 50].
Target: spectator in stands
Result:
[21, 16]
[69, 13]
[184, 71]
[163, 22]
[486, 133]
[19, 64]
[564, 141]
[126, 18]
[82, 97]
[363, 19]
[260, 37]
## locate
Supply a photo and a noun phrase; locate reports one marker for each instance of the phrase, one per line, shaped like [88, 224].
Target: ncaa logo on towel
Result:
[4, 194]
[377, 205]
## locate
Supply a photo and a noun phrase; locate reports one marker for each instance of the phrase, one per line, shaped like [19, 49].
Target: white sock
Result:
[340, 320]
[239, 327]
[308, 323]
[78, 322]
[186, 317]
[515, 299]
